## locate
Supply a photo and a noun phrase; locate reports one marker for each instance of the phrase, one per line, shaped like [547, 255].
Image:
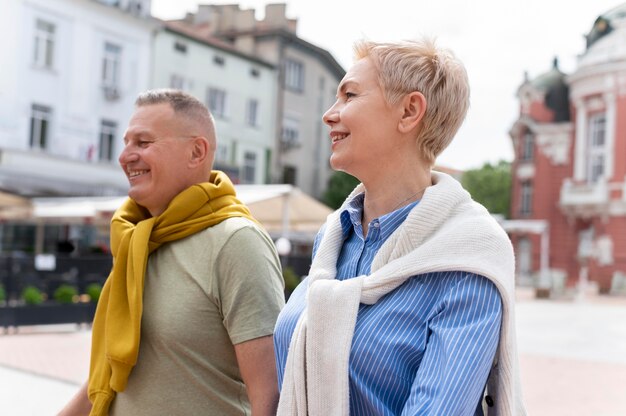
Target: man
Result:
[185, 320]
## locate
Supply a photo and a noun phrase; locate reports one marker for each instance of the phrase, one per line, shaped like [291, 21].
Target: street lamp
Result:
[283, 246]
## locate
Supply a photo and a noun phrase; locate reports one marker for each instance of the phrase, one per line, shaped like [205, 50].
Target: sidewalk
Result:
[573, 356]
[41, 368]
[572, 360]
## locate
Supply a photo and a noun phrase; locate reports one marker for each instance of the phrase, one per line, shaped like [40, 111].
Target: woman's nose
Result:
[331, 115]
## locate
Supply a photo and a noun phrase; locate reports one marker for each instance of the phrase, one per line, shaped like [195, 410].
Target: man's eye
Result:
[143, 143]
[350, 95]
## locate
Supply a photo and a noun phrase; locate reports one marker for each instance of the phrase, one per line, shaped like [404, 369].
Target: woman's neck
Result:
[385, 195]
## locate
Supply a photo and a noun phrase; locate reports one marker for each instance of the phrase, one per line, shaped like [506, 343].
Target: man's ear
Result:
[413, 110]
[200, 150]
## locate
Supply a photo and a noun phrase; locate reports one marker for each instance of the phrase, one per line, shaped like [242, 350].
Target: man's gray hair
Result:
[181, 102]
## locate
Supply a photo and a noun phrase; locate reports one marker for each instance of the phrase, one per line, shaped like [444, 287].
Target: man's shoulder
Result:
[230, 227]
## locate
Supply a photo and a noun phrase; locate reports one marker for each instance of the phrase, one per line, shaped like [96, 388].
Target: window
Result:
[251, 112]
[178, 82]
[596, 147]
[218, 60]
[255, 73]
[216, 101]
[108, 130]
[290, 135]
[524, 256]
[40, 126]
[180, 47]
[44, 44]
[526, 198]
[294, 75]
[249, 167]
[528, 147]
[290, 174]
[111, 65]
[135, 7]
[221, 153]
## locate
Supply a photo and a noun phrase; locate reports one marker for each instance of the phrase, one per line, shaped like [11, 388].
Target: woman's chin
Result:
[337, 163]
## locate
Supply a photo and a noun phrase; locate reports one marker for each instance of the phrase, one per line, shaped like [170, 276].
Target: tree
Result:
[490, 186]
[340, 185]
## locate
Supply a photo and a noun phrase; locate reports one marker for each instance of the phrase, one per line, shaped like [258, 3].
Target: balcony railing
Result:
[584, 198]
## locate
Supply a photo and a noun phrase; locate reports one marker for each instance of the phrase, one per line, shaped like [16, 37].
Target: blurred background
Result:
[543, 148]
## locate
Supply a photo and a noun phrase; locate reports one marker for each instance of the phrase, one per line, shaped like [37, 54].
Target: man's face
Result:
[156, 155]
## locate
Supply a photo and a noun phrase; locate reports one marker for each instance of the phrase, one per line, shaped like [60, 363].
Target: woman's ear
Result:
[199, 151]
[414, 108]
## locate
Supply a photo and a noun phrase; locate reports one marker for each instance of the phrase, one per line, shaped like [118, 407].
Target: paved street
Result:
[573, 356]
[573, 360]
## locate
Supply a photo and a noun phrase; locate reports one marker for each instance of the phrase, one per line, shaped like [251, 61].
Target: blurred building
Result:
[71, 70]
[70, 74]
[238, 88]
[569, 187]
[307, 79]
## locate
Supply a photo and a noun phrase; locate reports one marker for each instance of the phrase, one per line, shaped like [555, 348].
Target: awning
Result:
[14, 206]
[282, 209]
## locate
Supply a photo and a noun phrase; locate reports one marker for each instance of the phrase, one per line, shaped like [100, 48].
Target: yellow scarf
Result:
[134, 235]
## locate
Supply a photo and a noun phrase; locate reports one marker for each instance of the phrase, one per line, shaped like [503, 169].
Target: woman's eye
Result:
[350, 95]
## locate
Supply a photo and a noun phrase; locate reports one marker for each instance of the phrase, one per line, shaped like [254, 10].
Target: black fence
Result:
[18, 271]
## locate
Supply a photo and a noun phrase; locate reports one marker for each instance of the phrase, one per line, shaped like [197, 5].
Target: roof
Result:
[292, 38]
[554, 77]
[556, 97]
[603, 25]
[196, 33]
[606, 41]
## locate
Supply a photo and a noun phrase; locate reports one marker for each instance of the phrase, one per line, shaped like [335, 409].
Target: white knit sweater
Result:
[446, 231]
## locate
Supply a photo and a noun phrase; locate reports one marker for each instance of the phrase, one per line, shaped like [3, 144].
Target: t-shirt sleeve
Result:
[251, 287]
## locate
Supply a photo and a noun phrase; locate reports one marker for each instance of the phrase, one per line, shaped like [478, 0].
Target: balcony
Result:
[583, 199]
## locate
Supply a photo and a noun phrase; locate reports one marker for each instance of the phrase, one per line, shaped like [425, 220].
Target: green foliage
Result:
[3, 294]
[490, 186]
[65, 294]
[339, 187]
[32, 295]
[291, 279]
[94, 290]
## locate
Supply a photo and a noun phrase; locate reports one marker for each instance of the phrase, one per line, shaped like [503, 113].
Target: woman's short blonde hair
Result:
[404, 67]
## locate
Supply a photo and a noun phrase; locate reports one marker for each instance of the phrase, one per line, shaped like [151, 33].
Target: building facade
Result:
[307, 78]
[70, 73]
[239, 89]
[569, 172]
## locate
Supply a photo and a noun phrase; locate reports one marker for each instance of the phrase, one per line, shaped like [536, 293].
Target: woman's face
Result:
[362, 124]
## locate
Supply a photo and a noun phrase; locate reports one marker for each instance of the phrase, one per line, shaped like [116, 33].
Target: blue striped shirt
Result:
[425, 348]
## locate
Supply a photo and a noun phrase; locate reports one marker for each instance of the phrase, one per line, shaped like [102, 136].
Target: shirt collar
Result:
[353, 213]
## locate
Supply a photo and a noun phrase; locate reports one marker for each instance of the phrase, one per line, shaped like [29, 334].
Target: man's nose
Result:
[127, 155]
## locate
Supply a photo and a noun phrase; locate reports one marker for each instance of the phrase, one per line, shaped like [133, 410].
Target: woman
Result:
[408, 306]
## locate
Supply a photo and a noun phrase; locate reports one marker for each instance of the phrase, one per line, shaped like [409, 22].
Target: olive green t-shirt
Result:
[203, 294]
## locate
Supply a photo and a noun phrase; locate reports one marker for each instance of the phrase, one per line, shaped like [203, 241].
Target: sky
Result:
[498, 41]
